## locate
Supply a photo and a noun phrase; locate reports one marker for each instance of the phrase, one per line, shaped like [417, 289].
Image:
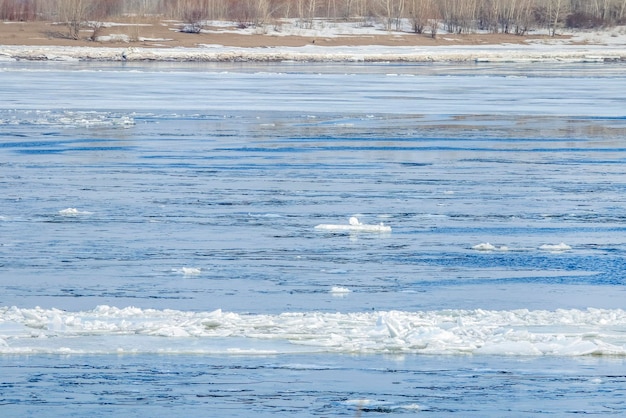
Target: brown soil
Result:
[159, 33]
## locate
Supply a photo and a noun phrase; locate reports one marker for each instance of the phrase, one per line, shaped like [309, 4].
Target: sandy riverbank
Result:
[327, 41]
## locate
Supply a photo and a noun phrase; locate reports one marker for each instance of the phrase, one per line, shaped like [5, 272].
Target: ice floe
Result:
[555, 247]
[188, 271]
[340, 291]
[73, 212]
[485, 246]
[355, 225]
[522, 332]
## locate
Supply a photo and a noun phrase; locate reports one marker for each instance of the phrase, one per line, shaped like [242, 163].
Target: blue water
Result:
[190, 188]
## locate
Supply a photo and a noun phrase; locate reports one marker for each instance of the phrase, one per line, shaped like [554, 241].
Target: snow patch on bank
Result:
[312, 53]
[581, 46]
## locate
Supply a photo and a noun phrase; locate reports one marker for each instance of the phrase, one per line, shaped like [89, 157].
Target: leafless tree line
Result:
[458, 16]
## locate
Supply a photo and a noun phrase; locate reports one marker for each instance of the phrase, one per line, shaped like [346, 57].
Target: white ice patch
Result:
[338, 290]
[555, 247]
[375, 405]
[90, 119]
[67, 119]
[133, 330]
[531, 52]
[355, 225]
[188, 271]
[114, 37]
[485, 246]
[73, 212]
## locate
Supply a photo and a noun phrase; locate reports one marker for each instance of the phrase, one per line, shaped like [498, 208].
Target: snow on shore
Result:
[608, 45]
[311, 53]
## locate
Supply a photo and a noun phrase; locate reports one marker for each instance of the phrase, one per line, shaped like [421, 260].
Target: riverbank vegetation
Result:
[425, 16]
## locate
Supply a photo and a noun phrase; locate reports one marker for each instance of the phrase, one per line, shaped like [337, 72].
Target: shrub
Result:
[580, 20]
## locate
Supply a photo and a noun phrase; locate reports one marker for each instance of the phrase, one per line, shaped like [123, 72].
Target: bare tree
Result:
[434, 27]
[419, 12]
[468, 14]
[507, 15]
[392, 12]
[523, 16]
[435, 20]
[556, 10]
[331, 10]
[18, 10]
[74, 13]
[458, 16]
[194, 14]
[307, 10]
[446, 9]
[263, 11]
[362, 11]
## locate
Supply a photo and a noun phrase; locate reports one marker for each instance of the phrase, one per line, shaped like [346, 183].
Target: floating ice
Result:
[189, 271]
[86, 119]
[355, 225]
[376, 405]
[73, 212]
[485, 246]
[339, 290]
[109, 329]
[555, 247]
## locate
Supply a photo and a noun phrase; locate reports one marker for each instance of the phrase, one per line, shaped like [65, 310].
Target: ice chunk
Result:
[190, 271]
[73, 212]
[555, 247]
[355, 225]
[485, 246]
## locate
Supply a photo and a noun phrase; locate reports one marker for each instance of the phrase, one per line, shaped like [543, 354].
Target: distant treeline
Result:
[459, 16]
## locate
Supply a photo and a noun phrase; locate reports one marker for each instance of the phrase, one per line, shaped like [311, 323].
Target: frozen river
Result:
[159, 249]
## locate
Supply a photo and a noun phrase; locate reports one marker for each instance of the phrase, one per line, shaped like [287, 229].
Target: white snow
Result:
[311, 53]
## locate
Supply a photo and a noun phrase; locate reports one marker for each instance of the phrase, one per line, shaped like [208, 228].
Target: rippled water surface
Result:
[159, 249]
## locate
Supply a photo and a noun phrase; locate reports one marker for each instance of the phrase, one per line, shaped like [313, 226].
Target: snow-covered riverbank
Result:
[335, 43]
[218, 53]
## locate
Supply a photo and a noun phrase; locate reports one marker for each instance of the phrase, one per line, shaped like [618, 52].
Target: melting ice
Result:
[109, 329]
